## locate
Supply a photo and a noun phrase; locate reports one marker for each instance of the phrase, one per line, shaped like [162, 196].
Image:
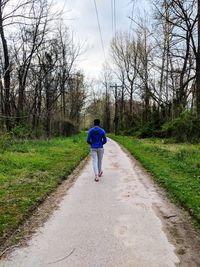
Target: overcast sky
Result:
[81, 17]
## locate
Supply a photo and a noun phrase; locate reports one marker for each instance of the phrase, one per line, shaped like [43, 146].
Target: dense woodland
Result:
[150, 87]
[41, 89]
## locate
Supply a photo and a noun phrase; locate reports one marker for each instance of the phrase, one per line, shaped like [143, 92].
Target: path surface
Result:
[112, 223]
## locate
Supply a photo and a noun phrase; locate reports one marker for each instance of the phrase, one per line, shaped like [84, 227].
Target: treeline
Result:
[41, 90]
[156, 66]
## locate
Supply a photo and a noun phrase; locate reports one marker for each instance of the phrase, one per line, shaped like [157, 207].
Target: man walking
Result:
[97, 138]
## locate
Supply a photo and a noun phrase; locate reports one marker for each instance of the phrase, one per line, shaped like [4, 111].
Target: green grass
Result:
[29, 171]
[176, 167]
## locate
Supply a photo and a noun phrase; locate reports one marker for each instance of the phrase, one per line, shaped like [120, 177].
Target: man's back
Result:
[96, 137]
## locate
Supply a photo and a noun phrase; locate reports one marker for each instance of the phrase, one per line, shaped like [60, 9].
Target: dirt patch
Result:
[178, 226]
[41, 214]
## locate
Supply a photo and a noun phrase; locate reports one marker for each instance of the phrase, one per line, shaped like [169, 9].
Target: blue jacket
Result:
[96, 137]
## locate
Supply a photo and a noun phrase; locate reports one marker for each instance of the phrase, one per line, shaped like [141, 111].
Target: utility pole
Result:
[116, 118]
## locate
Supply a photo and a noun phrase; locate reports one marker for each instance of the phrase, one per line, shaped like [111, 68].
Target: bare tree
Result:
[181, 18]
[125, 56]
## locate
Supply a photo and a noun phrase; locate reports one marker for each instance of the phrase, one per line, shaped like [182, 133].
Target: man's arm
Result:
[104, 139]
[89, 141]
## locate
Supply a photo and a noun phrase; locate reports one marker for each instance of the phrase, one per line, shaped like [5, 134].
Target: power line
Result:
[132, 12]
[100, 32]
[114, 15]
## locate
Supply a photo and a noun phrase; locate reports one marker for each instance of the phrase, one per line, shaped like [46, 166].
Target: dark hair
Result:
[96, 122]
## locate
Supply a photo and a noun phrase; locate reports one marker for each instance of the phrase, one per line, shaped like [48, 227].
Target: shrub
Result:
[186, 128]
[149, 130]
[22, 131]
[6, 140]
[146, 131]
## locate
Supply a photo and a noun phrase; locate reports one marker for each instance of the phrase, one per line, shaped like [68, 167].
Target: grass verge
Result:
[176, 167]
[29, 171]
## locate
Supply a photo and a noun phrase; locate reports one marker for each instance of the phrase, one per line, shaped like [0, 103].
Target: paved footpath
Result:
[112, 223]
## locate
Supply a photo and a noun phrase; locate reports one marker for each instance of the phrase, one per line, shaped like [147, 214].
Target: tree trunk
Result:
[20, 105]
[198, 67]
[48, 114]
[106, 112]
[6, 73]
[1, 104]
[131, 101]
[116, 119]
[122, 109]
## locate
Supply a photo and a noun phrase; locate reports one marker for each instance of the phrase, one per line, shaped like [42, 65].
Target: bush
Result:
[152, 127]
[149, 130]
[6, 140]
[22, 131]
[186, 128]
[146, 131]
[128, 132]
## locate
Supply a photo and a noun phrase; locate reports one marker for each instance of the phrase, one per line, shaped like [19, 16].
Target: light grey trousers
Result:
[97, 158]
